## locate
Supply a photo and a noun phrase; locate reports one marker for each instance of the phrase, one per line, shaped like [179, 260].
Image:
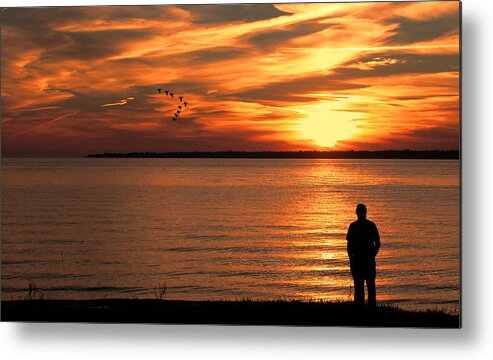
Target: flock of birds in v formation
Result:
[180, 107]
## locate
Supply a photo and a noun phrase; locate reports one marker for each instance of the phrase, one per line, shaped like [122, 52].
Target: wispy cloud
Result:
[119, 102]
[45, 124]
[255, 77]
[378, 61]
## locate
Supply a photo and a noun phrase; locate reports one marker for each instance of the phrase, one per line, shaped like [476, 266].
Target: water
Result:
[227, 228]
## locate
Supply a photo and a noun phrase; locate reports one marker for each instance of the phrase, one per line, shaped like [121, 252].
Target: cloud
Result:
[119, 102]
[277, 37]
[217, 14]
[445, 138]
[296, 90]
[211, 55]
[44, 124]
[411, 31]
[426, 11]
[39, 108]
[384, 65]
[245, 70]
[377, 61]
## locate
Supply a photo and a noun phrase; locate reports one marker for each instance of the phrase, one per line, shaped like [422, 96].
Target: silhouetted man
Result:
[363, 243]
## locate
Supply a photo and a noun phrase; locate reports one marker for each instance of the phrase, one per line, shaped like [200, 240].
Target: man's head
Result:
[361, 211]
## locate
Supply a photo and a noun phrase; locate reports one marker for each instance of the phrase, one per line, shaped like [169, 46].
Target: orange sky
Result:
[77, 80]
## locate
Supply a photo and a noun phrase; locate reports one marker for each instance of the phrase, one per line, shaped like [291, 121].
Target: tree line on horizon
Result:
[301, 154]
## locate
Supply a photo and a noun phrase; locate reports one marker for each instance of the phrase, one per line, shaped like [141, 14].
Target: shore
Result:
[363, 154]
[244, 312]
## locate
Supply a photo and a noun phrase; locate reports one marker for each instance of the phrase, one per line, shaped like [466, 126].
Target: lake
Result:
[81, 228]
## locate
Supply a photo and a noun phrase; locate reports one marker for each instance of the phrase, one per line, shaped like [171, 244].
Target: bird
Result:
[180, 108]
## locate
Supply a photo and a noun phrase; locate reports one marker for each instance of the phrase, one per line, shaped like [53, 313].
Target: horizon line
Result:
[219, 152]
[301, 154]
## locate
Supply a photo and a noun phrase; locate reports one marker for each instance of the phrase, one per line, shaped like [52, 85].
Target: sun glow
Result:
[326, 126]
[299, 76]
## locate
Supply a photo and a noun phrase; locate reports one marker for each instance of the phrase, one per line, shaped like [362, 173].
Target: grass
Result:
[245, 311]
[33, 292]
[160, 291]
[242, 312]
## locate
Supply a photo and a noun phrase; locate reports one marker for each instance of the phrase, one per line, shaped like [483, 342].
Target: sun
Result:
[325, 126]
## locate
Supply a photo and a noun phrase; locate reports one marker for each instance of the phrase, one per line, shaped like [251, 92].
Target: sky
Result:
[280, 77]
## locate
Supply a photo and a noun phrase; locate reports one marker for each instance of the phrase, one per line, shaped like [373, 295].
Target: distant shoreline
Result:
[245, 312]
[383, 154]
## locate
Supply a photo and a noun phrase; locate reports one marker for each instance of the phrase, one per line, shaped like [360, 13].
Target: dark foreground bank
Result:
[221, 312]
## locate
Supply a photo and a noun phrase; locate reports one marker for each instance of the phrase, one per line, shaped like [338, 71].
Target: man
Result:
[363, 243]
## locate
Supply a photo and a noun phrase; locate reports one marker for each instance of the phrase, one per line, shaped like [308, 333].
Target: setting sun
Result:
[326, 126]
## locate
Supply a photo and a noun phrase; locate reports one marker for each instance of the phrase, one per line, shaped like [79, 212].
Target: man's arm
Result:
[349, 238]
[376, 240]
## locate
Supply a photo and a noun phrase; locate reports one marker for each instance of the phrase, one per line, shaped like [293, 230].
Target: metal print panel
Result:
[294, 164]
